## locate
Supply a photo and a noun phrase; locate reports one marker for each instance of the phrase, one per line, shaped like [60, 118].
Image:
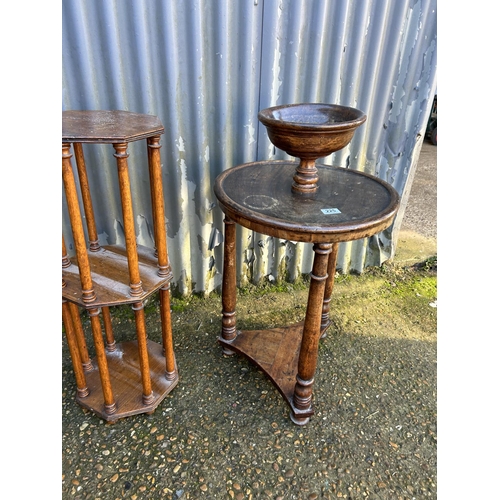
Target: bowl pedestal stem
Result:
[306, 177]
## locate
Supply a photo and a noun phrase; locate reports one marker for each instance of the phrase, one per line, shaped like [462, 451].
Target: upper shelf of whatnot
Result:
[109, 127]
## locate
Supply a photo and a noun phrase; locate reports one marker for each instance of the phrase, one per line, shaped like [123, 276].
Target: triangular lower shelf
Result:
[276, 352]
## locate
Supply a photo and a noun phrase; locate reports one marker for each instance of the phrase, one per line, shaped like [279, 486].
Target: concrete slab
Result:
[417, 238]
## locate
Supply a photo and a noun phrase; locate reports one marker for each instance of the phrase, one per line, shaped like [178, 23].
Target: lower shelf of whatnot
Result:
[126, 382]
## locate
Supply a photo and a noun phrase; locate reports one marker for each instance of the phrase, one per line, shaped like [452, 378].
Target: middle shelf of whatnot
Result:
[110, 277]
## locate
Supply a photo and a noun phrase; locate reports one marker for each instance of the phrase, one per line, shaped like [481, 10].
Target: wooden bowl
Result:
[311, 130]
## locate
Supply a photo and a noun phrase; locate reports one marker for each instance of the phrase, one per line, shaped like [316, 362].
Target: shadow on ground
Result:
[224, 431]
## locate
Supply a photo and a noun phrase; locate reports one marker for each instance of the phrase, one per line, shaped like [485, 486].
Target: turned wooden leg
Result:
[157, 202]
[229, 284]
[81, 382]
[140, 324]
[164, 270]
[88, 293]
[75, 319]
[102, 363]
[308, 356]
[80, 337]
[121, 156]
[166, 329]
[108, 329]
[87, 200]
[65, 258]
[325, 314]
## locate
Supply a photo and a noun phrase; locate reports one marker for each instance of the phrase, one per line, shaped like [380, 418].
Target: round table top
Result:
[101, 126]
[348, 204]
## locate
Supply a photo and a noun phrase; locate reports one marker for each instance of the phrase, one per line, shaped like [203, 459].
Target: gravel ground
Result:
[224, 431]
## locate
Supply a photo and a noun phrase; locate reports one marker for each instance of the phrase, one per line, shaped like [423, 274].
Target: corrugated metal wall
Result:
[206, 67]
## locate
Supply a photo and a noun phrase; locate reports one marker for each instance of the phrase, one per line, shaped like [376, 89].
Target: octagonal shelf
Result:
[109, 272]
[129, 377]
[108, 126]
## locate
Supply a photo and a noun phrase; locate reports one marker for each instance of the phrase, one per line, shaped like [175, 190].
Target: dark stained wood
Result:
[229, 284]
[310, 131]
[258, 197]
[275, 351]
[325, 313]
[347, 205]
[302, 397]
[109, 127]
[98, 277]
